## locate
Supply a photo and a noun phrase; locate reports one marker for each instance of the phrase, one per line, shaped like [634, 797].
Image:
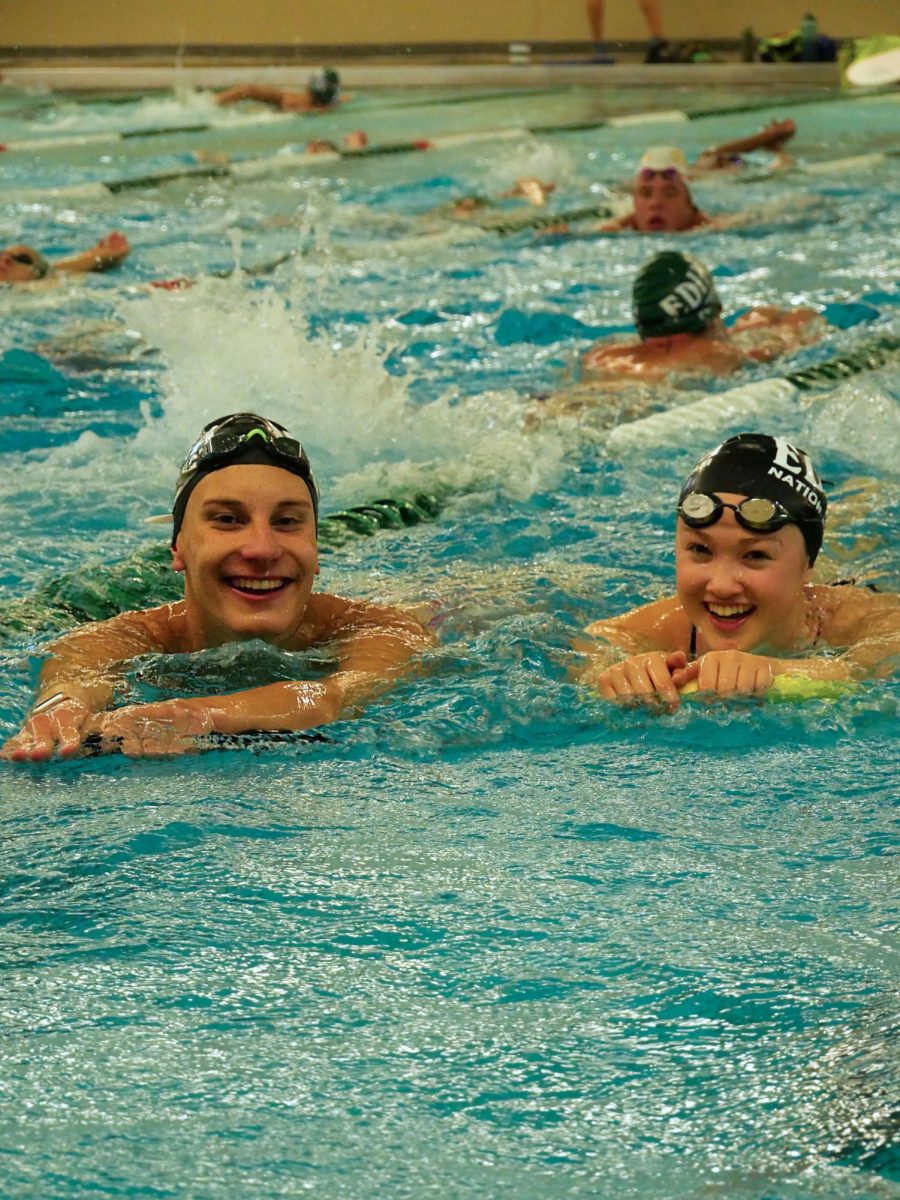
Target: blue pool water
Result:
[491, 938]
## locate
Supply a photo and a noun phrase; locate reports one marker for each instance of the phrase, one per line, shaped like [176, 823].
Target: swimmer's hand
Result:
[157, 730]
[643, 678]
[728, 673]
[56, 725]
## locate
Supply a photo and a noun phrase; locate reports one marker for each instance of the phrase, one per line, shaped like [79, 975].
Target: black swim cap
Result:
[674, 293]
[241, 438]
[324, 87]
[768, 468]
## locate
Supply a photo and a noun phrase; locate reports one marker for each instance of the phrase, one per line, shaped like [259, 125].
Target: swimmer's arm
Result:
[108, 252]
[656, 629]
[374, 647]
[868, 625]
[618, 225]
[78, 680]
[251, 91]
[765, 316]
[88, 663]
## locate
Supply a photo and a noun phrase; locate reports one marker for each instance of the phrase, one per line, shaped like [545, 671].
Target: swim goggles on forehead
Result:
[699, 509]
[648, 173]
[220, 441]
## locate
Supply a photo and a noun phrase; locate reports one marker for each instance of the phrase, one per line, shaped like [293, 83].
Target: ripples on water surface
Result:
[492, 938]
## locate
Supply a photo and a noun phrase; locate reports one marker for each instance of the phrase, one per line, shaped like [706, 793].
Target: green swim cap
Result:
[674, 293]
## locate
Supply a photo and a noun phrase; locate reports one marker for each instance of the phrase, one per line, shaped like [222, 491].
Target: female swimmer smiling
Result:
[750, 520]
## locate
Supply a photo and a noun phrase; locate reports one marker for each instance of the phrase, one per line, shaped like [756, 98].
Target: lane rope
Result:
[753, 402]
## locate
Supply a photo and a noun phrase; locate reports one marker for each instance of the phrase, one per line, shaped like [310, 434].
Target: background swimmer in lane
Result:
[245, 523]
[678, 315]
[528, 188]
[728, 155]
[662, 199]
[24, 264]
[662, 202]
[677, 312]
[750, 523]
[322, 92]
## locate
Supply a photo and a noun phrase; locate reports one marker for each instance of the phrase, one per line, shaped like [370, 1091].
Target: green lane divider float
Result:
[751, 403]
[254, 168]
[146, 577]
[505, 223]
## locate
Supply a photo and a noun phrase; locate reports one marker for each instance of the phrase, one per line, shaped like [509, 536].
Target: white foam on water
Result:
[227, 348]
[529, 159]
[861, 419]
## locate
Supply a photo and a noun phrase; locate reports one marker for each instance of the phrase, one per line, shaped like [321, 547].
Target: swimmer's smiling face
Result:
[663, 204]
[740, 589]
[247, 547]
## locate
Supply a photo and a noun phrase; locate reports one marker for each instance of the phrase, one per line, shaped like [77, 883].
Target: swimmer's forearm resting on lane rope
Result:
[78, 682]
[873, 639]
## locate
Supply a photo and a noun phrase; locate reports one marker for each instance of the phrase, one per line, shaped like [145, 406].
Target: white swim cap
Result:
[663, 158]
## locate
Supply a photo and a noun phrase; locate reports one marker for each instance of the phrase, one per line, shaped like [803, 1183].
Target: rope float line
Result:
[146, 576]
[674, 115]
[751, 402]
[258, 168]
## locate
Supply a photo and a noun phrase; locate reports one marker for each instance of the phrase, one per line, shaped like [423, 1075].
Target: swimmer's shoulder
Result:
[330, 618]
[126, 636]
[613, 357]
[660, 625]
[850, 613]
[163, 629]
[617, 225]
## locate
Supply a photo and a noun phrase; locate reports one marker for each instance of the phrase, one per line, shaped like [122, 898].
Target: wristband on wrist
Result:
[51, 702]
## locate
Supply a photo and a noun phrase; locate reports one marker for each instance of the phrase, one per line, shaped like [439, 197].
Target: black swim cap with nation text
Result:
[764, 467]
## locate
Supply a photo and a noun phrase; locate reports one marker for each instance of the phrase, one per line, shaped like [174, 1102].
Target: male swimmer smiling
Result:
[244, 535]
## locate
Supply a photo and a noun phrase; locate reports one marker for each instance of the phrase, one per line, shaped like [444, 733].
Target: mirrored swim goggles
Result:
[236, 437]
[699, 509]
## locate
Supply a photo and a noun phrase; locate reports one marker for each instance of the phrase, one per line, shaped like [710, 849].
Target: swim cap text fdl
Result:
[674, 293]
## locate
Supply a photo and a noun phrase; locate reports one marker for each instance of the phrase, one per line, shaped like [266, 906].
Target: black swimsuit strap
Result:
[692, 648]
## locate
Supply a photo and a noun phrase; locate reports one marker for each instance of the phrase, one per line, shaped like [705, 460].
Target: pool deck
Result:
[75, 75]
